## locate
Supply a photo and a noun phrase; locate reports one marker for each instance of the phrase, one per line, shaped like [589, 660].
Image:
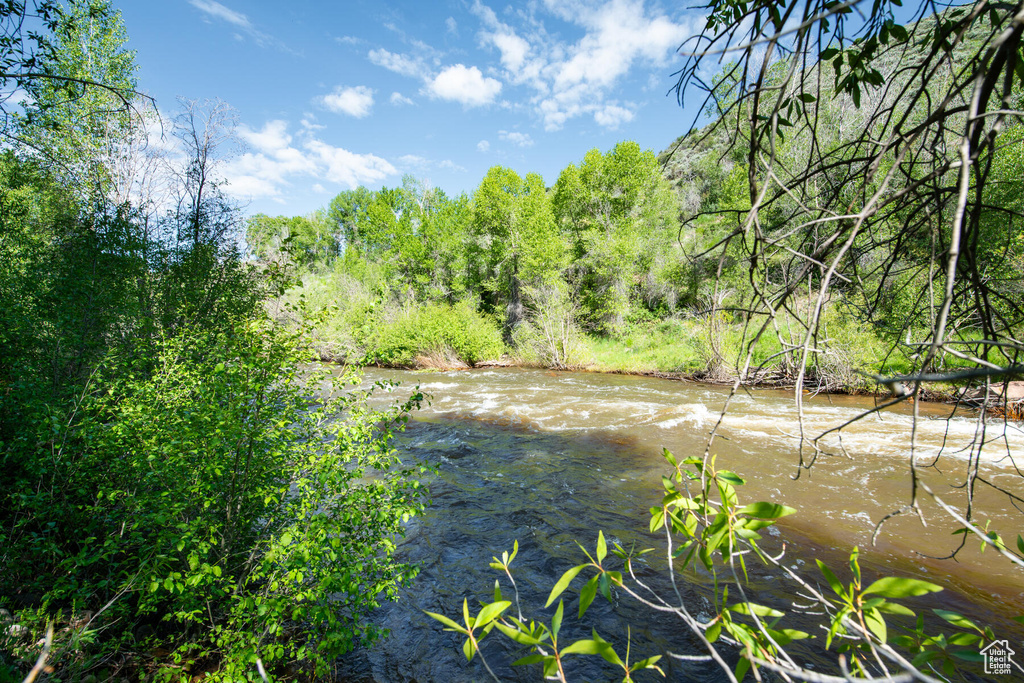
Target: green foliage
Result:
[308, 240]
[77, 112]
[219, 496]
[550, 335]
[442, 332]
[541, 637]
[516, 243]
[617, 211]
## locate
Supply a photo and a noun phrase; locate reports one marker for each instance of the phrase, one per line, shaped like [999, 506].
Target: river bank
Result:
[687, 349]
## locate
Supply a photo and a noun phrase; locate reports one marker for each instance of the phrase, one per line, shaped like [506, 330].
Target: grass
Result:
[670, 346]
[684, 346]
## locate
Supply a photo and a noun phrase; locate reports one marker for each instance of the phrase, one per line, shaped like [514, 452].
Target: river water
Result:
[549, 458]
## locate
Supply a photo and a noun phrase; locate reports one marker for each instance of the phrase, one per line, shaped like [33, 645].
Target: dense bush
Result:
[454, 331]
[216, 500]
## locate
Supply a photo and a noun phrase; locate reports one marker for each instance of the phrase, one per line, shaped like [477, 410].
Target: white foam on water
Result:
[695, 414]
[886, 435]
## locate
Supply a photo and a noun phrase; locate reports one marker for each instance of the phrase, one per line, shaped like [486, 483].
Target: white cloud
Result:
[347, 168]
[272, 138]
[451, 165]
[400, 64]
[348, 40]
[466, 85]
[514, 50]
[452, 25]
[413, 160]
[398, 99]
[215, 9]
[355, 101]
[483, 146]
[309, 123]
[613, 115]
[572, 79]
[276, 160]
[516, 138]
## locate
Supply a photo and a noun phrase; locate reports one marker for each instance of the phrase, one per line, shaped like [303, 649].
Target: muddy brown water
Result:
[549, 458]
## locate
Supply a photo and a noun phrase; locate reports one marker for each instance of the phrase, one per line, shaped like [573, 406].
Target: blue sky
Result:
[331, 95]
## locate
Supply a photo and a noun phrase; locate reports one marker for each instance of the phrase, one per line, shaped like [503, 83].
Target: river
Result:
[549, 458]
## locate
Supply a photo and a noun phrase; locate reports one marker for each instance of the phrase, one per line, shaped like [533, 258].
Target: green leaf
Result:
[730, 477]
[837, 587]
[605, 649]
[602, 547]
[742, 667]
[895, 608]
[564, 582]
[752, 608]
[446, 621]
[898, 587]
[956, 619]
[520, 637]
[583, 647]
[767, 510]
[528, 659]
[489, 612]
[855, 564]
[968, 655]
[875, 623]
[827, 54]
[648, 663]
[469, 649]
[588, 594]
[556, 620]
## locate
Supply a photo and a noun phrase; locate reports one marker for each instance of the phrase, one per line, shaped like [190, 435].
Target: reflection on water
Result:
[548, 458]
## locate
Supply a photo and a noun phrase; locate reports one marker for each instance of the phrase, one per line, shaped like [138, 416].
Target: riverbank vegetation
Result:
[174, 503]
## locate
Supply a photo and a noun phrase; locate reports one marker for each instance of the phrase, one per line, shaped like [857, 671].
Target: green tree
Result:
[78, 113]
[619, 212]
[309, 239]
[345, 213]
[516, 241]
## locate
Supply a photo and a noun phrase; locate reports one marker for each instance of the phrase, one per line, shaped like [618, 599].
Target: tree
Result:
[874, 155]
[77, 113]
[206, 131]
[309, 239]
[617, 210]
[345, 213]
[516, 244]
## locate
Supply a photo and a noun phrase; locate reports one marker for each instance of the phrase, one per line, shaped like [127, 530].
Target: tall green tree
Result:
[345, 213]
[618, 212]
[516, 241]
[78, 110]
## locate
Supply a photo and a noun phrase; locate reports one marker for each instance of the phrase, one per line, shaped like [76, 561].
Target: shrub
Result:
[550, 335]
[217, 499]
[435, 329]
